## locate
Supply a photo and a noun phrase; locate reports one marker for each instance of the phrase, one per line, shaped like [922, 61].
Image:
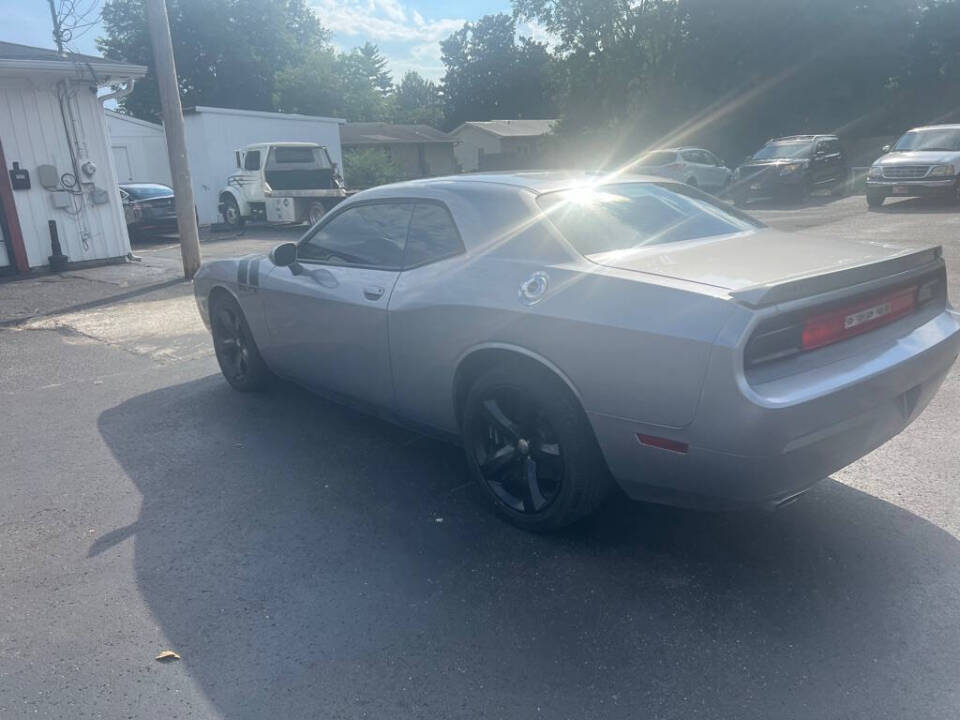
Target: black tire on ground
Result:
[802, 192]
[316, 212]
[530, 448]
[237, 352]
[955, 195]
[231, 212]
[875, 200]
[842, 187]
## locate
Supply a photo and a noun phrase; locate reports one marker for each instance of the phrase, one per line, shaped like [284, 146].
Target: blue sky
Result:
[407, 31]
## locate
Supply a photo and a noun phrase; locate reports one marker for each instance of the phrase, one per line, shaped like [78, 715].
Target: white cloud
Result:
[382, 20]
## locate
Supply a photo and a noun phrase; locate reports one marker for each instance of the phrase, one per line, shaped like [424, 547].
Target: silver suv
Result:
[924, 162]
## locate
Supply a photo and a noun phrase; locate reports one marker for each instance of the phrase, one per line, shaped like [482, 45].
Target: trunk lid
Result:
[751, 264]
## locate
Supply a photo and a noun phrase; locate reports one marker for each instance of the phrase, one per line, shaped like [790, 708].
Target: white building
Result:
[499, 144]
[57, 163]
[139, 149]
[213, 134]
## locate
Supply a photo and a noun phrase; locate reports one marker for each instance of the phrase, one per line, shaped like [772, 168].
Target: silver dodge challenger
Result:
[573, 331]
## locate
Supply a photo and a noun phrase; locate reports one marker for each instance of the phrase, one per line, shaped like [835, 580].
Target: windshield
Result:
[933, 139]
[774, 151]
[656, 159]
[144, 192]
[632, 215]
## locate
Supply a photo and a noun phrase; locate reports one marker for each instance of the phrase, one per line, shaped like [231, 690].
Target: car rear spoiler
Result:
[795, 288]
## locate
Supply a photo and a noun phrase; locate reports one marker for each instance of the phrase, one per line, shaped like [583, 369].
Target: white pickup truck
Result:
[281, 182]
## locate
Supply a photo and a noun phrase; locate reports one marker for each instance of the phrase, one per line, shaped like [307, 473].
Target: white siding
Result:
[470, 141]
[143, 144]
[213, 135]
[32, 132]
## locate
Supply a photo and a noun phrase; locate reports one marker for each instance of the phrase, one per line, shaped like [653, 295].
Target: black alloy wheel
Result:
[236, 351]
[530, 448]
[518, 452]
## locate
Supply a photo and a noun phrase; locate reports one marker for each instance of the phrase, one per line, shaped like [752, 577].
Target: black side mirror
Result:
[284, 255]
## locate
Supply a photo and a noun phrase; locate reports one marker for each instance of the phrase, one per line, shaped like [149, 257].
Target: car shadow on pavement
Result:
[310, 562]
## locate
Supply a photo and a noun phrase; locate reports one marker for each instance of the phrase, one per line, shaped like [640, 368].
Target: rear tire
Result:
[531, 450]
[316, 212]
[842, 187]
[875, 200]
[237, 352]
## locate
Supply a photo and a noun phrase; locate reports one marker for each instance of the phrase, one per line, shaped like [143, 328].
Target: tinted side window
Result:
[433, 235]
[690, 156]
[252, 160]
[366, 235]
[708, 158]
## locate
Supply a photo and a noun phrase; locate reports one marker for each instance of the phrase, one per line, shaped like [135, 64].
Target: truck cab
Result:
[281, 182]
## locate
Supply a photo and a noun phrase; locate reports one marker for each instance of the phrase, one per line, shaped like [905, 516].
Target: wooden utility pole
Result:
[57, 32]
[172, 113]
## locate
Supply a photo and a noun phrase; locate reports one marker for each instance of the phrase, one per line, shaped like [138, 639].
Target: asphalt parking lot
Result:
[310, 562]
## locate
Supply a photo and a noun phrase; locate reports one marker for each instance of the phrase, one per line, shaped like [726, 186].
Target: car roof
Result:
[134, 186]
[537, 181]
[801, 138]
[949, 126]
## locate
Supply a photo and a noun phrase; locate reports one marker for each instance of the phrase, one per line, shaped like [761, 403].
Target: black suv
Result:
[792, 167]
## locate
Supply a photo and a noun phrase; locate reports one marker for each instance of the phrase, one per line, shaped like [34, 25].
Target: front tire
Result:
[237, 352]
[875, 200]
[231, 212]
[530, 448]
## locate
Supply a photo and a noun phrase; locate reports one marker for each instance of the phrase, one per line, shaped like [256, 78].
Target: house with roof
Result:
[59, 200]
[419, 150]
[500, 144]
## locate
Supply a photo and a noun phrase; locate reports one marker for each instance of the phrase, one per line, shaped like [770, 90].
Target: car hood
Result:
[920, 157]
[734, 262]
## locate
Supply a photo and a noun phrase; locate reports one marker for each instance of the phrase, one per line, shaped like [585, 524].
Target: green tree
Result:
[417, 100]
[228, 52]
[350, 85]
[490, 74]
[364, 168]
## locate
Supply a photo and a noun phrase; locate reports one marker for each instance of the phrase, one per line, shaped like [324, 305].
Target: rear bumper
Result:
[745, 450]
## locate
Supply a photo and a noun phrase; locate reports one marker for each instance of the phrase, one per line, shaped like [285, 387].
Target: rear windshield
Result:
[306, 155]
[624, 216]
[932, 139]
[773, 151]
[656, 159]
[144, 192]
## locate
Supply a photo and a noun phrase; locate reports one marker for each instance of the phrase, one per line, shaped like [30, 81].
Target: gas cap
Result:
[534, 288]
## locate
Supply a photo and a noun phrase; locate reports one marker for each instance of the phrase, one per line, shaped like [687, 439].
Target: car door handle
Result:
[372, 292]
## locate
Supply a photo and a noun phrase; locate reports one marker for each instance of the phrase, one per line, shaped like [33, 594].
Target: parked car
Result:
[693, 166]
[148, 208]
[284, 182]
[568, 329]
[924, 162]
[791, 168]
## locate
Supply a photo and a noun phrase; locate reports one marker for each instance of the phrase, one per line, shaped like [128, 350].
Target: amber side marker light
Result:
[663, 443]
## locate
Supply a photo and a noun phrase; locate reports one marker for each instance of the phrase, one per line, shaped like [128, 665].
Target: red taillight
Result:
[663, 443]
[836, 325]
